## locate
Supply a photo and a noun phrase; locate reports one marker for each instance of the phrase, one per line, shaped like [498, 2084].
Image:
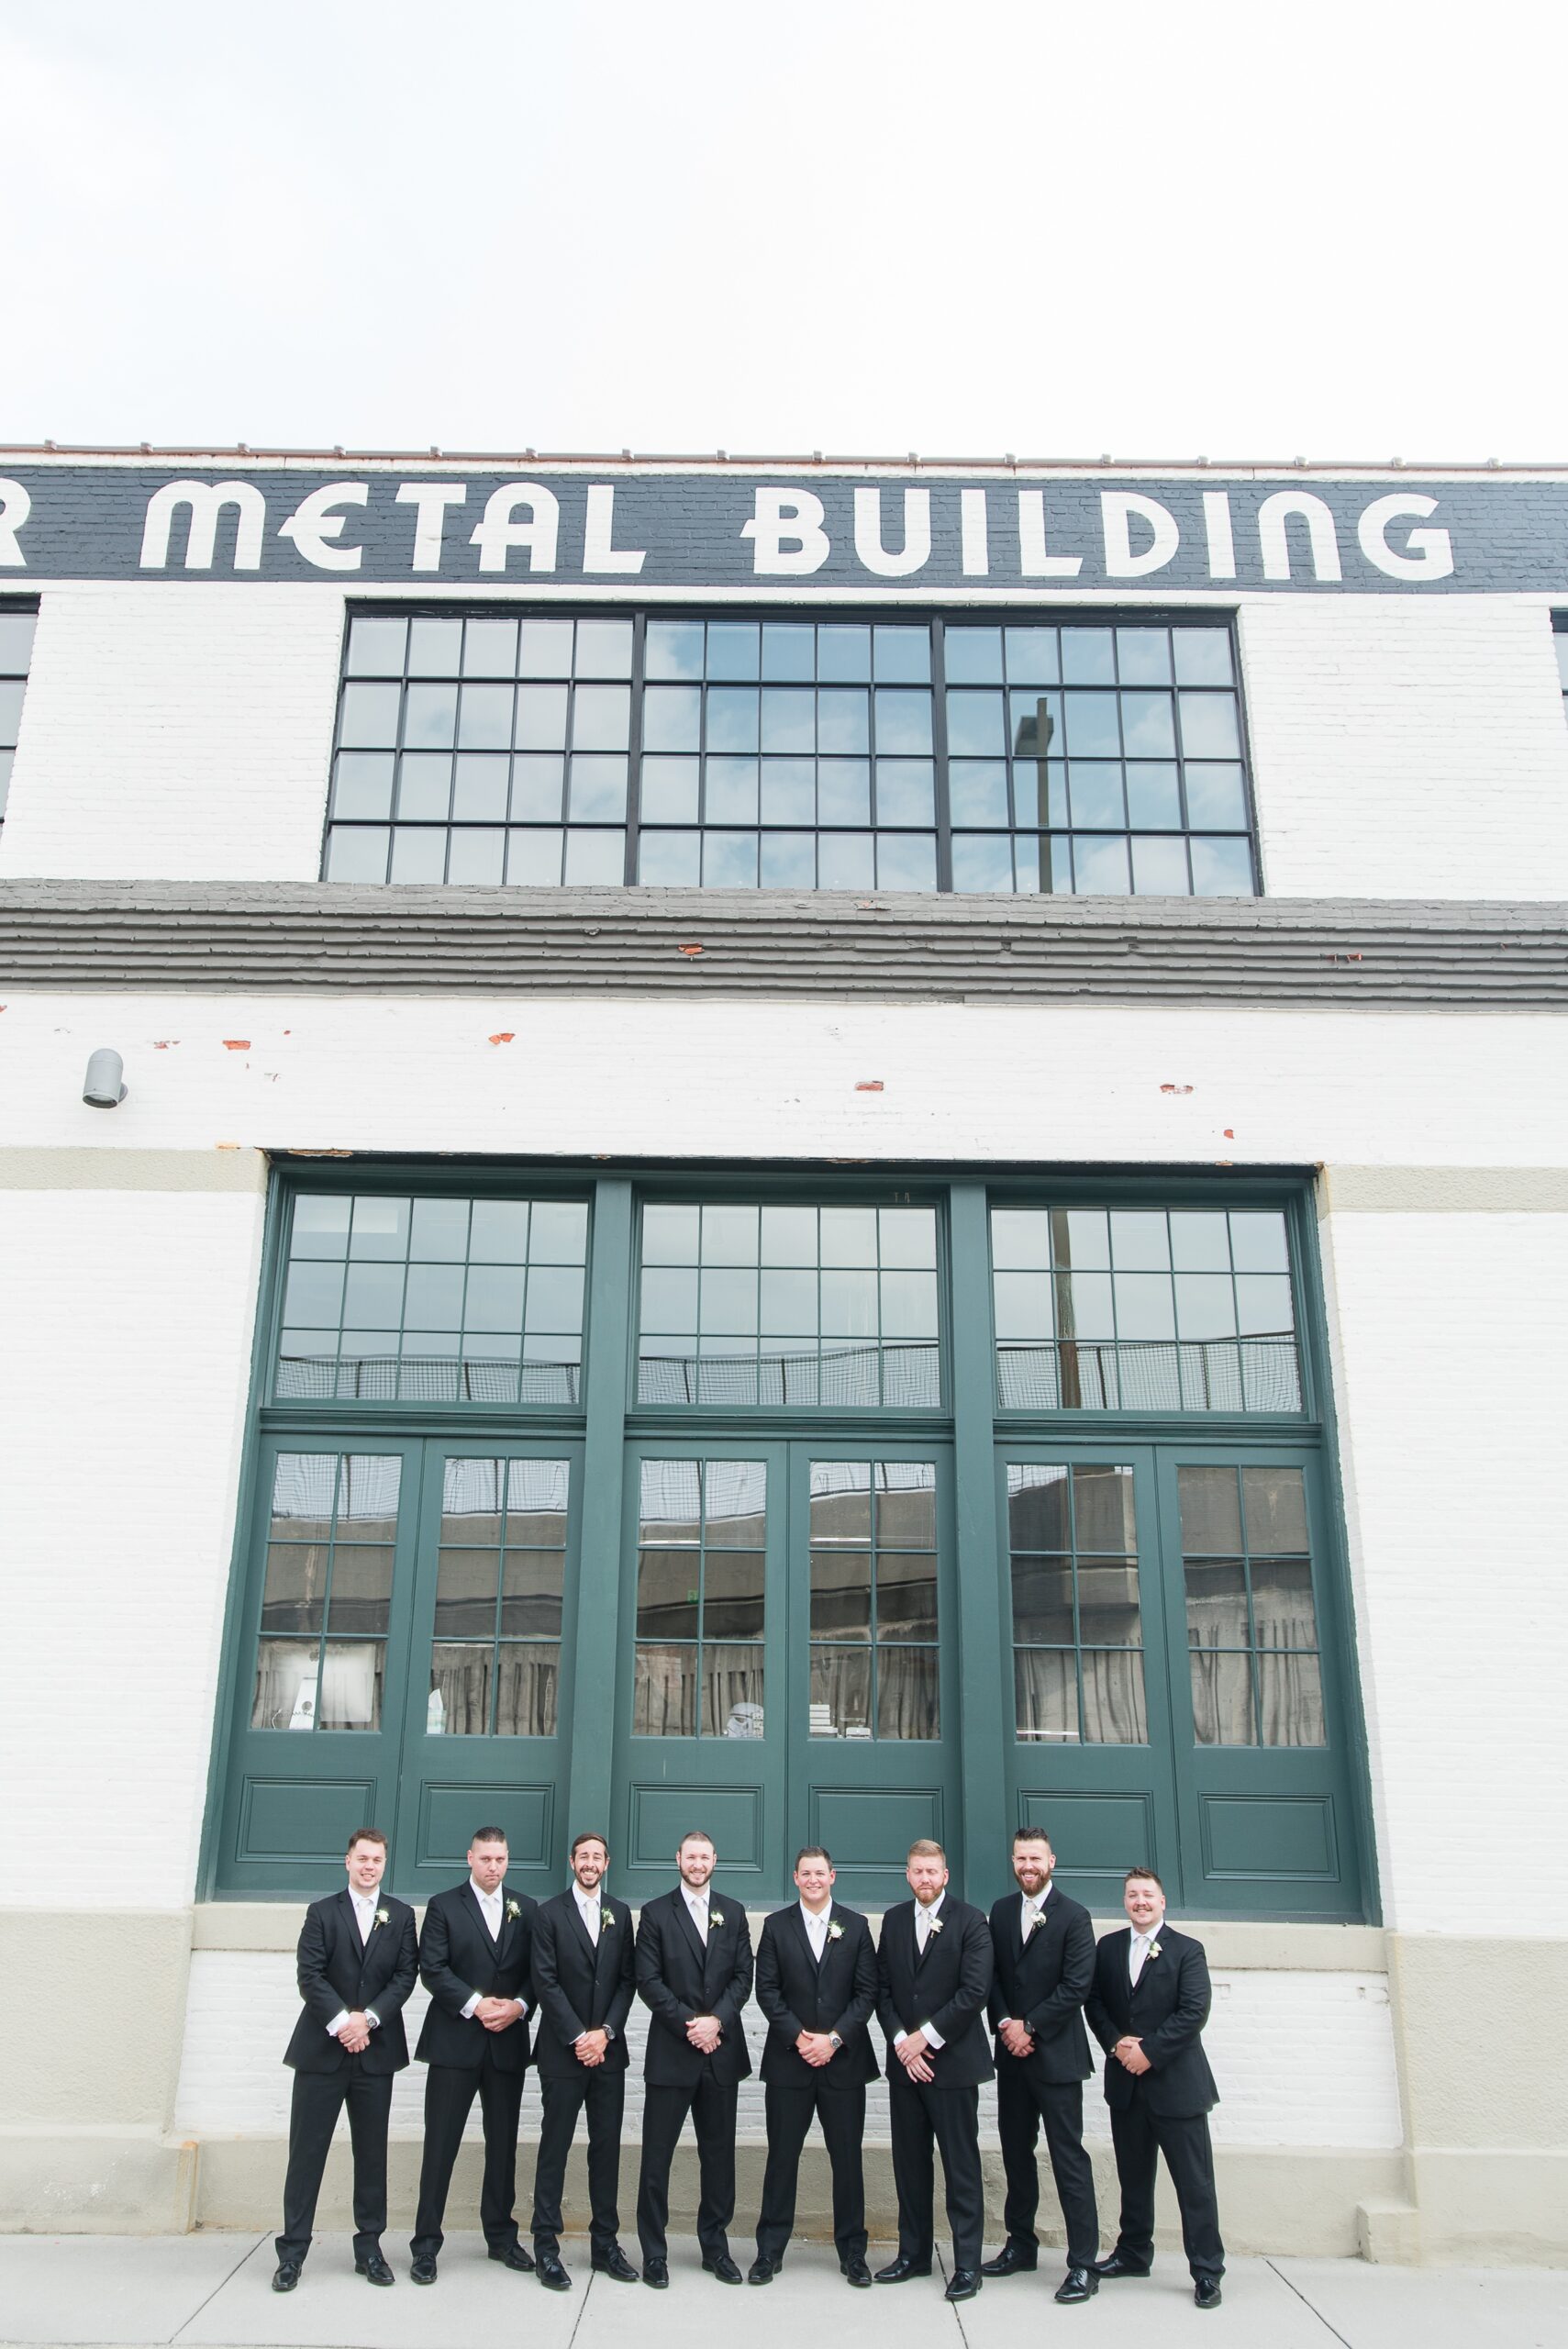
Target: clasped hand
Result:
[817, 2047]
[497, 2014]
[1129, 2052]
[1016, 2038]
[704, 2033]
[911, 2053]
[589, 2048]
[355, 2035]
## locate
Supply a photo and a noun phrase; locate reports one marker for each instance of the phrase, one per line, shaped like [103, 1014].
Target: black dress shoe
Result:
[1109, 2269]
[375, 2269]
[902, 2270]
[724, 2268]
[762, 2271]
[1205, 2291]
[856, 2272]
[963, 2284]
[614, 2264]
[287, 2276]
[1010, 2261]
[1078, 2284]
[424, 2268]
[552, 2273]
[657, 2273]
[512, 2255]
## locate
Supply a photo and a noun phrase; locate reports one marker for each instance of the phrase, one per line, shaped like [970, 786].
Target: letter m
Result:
[205, 501]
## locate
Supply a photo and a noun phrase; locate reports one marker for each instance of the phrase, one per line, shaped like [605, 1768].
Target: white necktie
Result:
[1138, 1953]
[493, 1914]
[699, 1919]
[362, 1914]
[591, 1919]
[922, 1929]
[1031, 1918]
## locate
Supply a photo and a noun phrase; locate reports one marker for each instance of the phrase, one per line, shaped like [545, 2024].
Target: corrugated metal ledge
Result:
[234, 937]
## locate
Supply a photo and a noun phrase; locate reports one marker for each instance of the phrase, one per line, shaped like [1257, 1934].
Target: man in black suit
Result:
[694, 1974]
[816, 1984]
[473, 1960]
[357, 1965]
[1045, 1948]
[934, 1975]
[584, 1985]
[1147, 2007]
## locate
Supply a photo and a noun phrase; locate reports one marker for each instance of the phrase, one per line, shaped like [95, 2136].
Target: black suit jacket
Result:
[1167, 2011]
[797, 1994]
[948, 1989]
[458, 1957]
[337, 1971]
[579, 1987]
[677, 1979]
[1043, 1983]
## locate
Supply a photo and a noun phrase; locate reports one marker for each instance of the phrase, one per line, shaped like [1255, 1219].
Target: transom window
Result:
[1252, 1620]
[812, 1305]
[326, 1599]
[16, 625]
[875, 1662]
[1082, 758]
[702, 1544]
[431, 1300]
[496, 1661]
[1077, 1623]
[1143, 1310]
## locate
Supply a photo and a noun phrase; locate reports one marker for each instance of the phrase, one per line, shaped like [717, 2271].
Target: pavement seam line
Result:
[218, 2288]
[581, 2306]
[1305, 2303]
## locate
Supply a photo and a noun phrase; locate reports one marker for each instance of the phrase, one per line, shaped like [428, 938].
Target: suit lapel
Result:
[477, 1913]
[683, 1919]
[591, 1947]
[357, 1948]
[805, 1938]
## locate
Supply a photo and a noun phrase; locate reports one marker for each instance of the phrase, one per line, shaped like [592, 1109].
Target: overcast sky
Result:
[865, 227]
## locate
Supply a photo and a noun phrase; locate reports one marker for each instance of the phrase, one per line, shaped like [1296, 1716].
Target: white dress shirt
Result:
[1138, 1950]
[816, 1928]
[589, 1909]
[924, 1919]
[493, 1907]
[365, 1907]
[696, 1902]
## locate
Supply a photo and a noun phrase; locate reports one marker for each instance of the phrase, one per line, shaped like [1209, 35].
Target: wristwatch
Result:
[609, 2030]
[834, 2042]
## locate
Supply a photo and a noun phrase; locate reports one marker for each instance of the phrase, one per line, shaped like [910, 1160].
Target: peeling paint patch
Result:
[164, 1043]
[237, 1043]
[691, 950]
[1175, 1088]
[505, 1036]
[870, 1084]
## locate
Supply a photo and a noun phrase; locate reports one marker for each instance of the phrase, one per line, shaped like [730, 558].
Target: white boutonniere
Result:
[935, 1926]
[513, 1910]
[383, 1916]
[606, 1919]
[715, 1917]
[834, 1930]
[1153, 1949]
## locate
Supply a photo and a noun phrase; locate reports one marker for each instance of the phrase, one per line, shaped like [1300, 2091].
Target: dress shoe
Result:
[1078, 2284]
[552, 2273]
[1010, 2261]
[724, 2268]
[762, 2271]
[902, 2270]
[963, 2284]
[1109, 2269]
[287, 2276]
[1205, 2291]
[375, 2269]
[512, 2255]
[424, 2269]
[657, 2273]
[856, 2272]
[614, 2264]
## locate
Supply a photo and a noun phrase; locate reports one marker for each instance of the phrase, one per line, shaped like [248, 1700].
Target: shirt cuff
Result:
[933, 2038]
[1003, 2020]
[468, 2009]
[899, 2037]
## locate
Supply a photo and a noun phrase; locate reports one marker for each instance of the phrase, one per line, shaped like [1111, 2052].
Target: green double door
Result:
[1181, 1674]
[786, 1671]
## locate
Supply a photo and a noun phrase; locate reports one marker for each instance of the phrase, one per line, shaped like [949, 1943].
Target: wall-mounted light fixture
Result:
[102, 1087]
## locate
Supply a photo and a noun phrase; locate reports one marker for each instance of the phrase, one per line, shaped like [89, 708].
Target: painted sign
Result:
[725, 530]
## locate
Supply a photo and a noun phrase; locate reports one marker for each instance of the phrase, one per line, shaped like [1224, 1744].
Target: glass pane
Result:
[840, 1692]
[841, 1502]
[1211, 1516]
[17, 629]
[1221, 868]
[1045, 1696]
[670, 859]
[732, 1595]
[731, 1691]
[362, 1589]
[531, 1588]
[735, 1497]
[1114, 1709]
[841, 1594]
[370, 716]
[1290, 1695]
[466, 1590]
[419, 854]
[296, 1589]
[527, 1689]
[284, 1694]
[789, 1236]
[1222, 1699]
[1216, 797]
[1258, 1243]
[668, 1591]
[907, 1505]
[1042, 1600]
[1108, 1603]
[844, 654]
[908, 1700]
[670, 1500]
[1200, 1242]
[908, 1236]
[1203, 656]
[670, 1235]
[1039, 1505]
[1275, 1503]
[435, 647]
[675, 649]
[361, 786]
[905, 1595]
[459, 1704]
[351, 1684]
[1087, 655]
[603, 648]
[664, 1692]
[1284, 1615]
[789, 650]
[1020, 1238]
[357, 853]
[1216, 1603]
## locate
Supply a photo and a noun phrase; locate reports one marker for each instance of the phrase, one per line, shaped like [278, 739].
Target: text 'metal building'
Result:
[837, 1150]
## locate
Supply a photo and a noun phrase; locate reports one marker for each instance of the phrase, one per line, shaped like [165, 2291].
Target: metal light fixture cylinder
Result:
[102, 1087]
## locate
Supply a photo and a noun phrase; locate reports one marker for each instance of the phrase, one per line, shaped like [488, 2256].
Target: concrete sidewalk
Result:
[213, 2291]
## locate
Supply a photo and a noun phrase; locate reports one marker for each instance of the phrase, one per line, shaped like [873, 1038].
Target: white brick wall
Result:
[1301, 2059]
[1402, 746]
[1406, 750]
[178, 730]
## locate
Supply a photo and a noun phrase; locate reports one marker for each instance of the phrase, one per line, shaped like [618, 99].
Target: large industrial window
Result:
[1088, 757]
[16, 625]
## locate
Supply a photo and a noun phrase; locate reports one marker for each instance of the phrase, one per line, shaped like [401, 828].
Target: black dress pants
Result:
[318, 2099]
[604, 2094]
[947, 2119]
[1022, 2105]
[712, 2107]
[450, 2091]
[1140, 2136]
[790, 2112]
